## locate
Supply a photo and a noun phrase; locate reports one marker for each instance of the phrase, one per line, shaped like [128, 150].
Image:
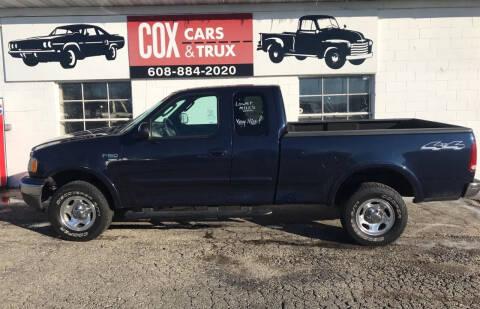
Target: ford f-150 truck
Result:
[229, 149]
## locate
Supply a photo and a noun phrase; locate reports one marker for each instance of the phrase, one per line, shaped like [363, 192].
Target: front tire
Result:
[68, 58]
[30, 60]
[375, 215]
[335, 58]
[276, 53]
[79, 211]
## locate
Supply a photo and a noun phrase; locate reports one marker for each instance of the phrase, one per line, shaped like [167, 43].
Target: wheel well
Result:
[388, 177]
[272, 41]
[58, 180]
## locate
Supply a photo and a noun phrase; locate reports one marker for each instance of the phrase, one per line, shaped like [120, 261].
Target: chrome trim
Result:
[362, 56]
[31, 51]
[32, 190]
[473, 189]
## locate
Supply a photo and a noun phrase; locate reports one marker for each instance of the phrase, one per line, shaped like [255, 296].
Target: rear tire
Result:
[276, 53]
[79, 211]
[111, 53]
[375, 215]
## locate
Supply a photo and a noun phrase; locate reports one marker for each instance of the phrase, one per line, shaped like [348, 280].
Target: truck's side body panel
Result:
[313, 166]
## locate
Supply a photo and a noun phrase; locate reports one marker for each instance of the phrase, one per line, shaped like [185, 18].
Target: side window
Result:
[192, 116]
[307, 25]
[100, 31]
[203, 111]
[89, 32]
[250, 114]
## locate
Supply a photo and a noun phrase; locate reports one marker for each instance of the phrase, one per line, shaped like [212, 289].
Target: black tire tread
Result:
[368, 188]
[88, 188]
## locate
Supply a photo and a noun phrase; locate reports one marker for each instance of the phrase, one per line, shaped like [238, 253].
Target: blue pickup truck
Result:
[225, 150]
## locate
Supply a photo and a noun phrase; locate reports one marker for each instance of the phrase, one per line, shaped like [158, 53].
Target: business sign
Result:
[65, 48]
[333, 42]
[190, 46]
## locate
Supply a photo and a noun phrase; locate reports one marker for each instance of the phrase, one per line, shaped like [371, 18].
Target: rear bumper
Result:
[473, 189]
[31, 189]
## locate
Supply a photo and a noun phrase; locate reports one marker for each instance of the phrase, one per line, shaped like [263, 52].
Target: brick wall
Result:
[429, 65]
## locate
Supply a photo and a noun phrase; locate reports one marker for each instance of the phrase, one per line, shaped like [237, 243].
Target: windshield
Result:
[60, 31]
[327, 23]
[142, 116]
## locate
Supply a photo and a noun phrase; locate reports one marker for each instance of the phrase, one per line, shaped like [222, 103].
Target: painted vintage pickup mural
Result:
[318, 36]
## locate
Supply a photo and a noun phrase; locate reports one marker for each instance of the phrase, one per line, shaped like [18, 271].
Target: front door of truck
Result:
[187, 159]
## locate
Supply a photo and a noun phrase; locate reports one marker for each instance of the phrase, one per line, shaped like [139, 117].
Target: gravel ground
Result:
[267, 263]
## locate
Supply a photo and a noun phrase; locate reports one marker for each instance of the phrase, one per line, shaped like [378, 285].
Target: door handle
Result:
[217, 153]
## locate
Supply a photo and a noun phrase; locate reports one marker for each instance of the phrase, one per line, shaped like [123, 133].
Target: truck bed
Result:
[367, 127]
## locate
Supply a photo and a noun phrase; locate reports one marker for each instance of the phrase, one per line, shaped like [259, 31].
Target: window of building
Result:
[344, 97]
[85, 106]
[249, 114]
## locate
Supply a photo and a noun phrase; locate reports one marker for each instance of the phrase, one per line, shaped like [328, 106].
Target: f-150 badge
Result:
[438, 145]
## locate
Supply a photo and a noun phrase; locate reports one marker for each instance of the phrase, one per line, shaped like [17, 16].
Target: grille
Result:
[359, 48]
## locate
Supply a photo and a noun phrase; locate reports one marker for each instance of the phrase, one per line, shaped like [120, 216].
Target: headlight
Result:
[370, 43]
[49, 44]
[44, 44]
[32, 166]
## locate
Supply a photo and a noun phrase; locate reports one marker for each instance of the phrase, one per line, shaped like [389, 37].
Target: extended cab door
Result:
[186, 161]
[255, 145]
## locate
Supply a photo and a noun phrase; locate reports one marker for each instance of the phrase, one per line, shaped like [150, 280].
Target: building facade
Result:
[71, 69]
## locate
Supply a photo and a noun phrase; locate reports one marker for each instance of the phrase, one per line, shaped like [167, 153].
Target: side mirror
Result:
[144, 131]
[184, 118]
[344, 26]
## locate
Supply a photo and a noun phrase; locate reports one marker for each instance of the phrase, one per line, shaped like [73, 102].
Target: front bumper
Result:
[31, 189]
[473, 189]
[36, 52]
[362, 56]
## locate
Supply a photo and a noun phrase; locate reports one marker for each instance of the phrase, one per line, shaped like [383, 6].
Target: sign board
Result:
[65, 48]
[335, 42]
[188, 46]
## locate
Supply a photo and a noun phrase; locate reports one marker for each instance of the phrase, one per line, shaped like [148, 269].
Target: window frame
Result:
[154, 115]
[108, 100]
[324, 115]
[265, 111]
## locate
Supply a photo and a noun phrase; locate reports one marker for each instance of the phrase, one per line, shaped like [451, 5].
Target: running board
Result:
[198, 213]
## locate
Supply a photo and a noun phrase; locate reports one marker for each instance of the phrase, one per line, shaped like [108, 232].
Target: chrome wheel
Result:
[71, 57]
[335, 57]
[375, 217]
[77, 213]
